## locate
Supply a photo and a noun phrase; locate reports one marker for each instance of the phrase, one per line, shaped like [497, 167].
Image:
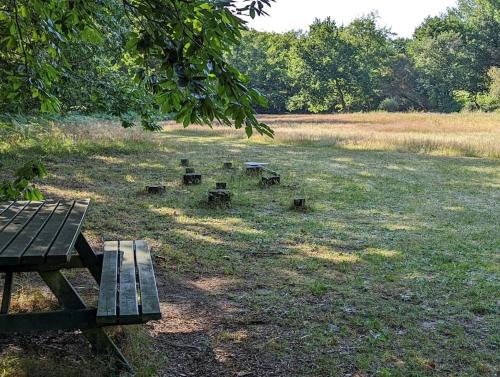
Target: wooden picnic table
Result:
[42, 237]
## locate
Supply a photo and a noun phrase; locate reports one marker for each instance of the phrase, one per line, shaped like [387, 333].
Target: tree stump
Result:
[219, 196]
[228, 165]
[184, 162]
[192, 179]
[220, 185]
[189, 170]
[272, 180]
[299, 203]
[254, 170]
[156, 189]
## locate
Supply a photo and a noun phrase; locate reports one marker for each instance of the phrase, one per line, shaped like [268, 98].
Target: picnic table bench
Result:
[42, 237]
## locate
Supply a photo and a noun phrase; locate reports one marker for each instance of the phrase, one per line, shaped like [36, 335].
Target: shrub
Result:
[390, 105]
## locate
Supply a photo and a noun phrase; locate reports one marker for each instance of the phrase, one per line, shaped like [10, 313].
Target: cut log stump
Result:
[221, 186]
[272, 180]
[219, 196]
[156, 189]
[254, 170]
[192, 179]
[299, 203]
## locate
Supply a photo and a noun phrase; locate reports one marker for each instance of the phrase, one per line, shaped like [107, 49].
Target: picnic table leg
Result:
[89, 257]
[70, 299]
[7, 292]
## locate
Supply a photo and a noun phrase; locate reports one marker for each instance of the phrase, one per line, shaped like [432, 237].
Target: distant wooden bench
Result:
[41, 237]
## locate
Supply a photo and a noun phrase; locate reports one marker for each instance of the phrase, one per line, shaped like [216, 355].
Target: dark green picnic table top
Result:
[39, 232]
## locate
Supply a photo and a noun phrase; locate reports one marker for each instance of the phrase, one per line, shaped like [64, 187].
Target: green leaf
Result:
[91, 35]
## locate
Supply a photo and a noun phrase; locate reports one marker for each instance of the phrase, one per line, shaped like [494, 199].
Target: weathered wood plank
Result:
[48, 321]
[10, 213]
[4, 206]
[66, 238]
[18, 223]
[106, 308]
[40, 246]
[150, 304]
[129, 311]
[13, 252]
[7, 292]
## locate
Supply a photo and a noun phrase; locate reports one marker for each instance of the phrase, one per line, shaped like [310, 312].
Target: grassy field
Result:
[392, 271]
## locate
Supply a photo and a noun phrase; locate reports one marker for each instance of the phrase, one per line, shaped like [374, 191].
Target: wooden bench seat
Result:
[128, 293]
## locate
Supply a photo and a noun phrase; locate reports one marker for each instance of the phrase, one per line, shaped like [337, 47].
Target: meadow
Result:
[393, 270]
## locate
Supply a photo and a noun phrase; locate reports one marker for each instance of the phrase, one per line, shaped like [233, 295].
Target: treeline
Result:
[451, 63]
[110, 65]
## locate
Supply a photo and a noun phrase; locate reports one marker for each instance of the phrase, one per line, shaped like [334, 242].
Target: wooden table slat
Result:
[150, 307]
[40, 246]
[106, 312]
[129, 310]
[60, 250]
[10, 213]
[5, 206]
[17, 224]
[13, 253]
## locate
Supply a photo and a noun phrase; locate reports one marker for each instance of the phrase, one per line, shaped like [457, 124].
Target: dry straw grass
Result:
[473, 135]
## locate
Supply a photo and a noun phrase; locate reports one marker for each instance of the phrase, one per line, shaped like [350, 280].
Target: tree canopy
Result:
[151, 56]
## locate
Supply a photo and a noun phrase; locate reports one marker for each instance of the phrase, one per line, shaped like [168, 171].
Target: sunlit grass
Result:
[472, 135]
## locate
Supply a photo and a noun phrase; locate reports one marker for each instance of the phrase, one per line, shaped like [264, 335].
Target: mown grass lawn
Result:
[392, 271]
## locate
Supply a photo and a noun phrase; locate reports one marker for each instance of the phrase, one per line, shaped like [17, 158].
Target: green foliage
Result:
[485, 101]
[265, 58]
[494, 76]
[325, 70]
[390, 105]
[22, 186]
[334, 68]
[162, 57]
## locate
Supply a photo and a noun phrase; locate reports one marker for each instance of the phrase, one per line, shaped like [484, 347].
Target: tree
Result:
[494, 75]
[373, 54]
[454, 51]
[441, 69]
[340, 68]
[176, 49]
[265, 58]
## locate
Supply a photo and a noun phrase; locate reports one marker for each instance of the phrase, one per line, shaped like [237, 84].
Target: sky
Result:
[401, 16]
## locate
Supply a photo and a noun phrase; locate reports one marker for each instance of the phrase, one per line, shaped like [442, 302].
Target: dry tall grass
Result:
[473, 135]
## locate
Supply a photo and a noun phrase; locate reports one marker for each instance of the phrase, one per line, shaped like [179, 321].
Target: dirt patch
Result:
[200, 333]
